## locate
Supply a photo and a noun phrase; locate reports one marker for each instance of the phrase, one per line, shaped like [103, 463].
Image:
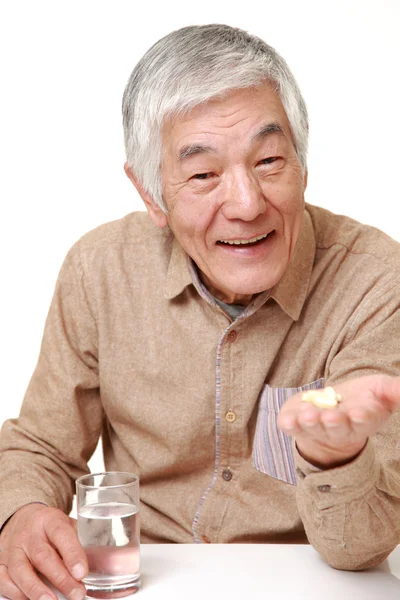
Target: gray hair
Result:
[191, 66]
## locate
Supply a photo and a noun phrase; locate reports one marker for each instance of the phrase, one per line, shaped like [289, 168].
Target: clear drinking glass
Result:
[109, 531]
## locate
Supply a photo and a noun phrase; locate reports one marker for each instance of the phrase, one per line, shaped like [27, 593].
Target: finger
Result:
[287, 421]
[365, 420]
[306, 421]
[326, 426]
[288, 418]
[48, 563]
[305, 418]
[336, 425]
[308, 416]
[65, 539]
[24, 577]
[8, 587]
[320, 425]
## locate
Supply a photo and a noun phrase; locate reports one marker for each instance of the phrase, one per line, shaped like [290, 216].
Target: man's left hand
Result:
[332, 437]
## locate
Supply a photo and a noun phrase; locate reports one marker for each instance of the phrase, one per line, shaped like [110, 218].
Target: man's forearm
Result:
[351, 514]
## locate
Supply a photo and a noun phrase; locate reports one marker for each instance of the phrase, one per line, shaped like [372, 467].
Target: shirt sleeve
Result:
[351, 513]
[48, 446]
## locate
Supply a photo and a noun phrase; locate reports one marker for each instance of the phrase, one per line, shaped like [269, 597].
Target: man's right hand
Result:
[39, 539]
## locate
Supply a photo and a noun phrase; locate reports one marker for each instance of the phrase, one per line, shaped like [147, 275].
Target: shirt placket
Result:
[226, 473]
[225, 417]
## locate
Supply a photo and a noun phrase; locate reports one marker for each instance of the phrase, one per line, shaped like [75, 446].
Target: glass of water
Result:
[109, 531]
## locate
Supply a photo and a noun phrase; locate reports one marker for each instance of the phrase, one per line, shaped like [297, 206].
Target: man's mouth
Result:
[251, 242]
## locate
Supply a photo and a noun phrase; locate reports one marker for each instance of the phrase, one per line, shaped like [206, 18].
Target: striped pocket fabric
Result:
[272, 451]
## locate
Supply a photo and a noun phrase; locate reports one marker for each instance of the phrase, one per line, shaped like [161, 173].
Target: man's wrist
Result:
[325, 457]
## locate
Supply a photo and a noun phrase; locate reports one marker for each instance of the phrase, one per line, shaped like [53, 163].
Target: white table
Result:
[258, 571]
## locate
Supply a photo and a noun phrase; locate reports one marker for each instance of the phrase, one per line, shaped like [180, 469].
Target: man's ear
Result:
[157, 215]
[305, 179]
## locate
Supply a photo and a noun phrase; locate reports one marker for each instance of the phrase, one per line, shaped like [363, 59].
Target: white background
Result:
[64, 65]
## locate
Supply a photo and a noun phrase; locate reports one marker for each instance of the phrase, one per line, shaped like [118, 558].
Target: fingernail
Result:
[46, 597]
[77, 594]
[357, 417]
[78, 571]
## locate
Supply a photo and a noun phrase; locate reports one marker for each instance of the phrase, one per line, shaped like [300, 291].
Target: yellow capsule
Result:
[326, 398]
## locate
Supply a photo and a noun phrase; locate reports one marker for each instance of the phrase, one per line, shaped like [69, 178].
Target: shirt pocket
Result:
[272, 451]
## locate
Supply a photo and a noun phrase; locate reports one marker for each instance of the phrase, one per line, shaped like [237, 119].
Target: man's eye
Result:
[202, 176]
[268, 161]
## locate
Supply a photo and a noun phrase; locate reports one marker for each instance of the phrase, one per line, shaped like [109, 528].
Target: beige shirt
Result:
[137, 351]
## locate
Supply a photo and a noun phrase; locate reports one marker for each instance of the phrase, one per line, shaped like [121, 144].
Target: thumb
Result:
[389, 392]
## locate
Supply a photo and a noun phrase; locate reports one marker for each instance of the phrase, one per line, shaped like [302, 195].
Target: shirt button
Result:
[226, 474]
[232, 335]
[324, 488]
[205, 539]
[230, 416]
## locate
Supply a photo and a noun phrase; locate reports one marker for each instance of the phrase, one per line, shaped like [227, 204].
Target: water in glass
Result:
[110, 534]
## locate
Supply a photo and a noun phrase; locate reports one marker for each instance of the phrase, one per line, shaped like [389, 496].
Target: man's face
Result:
[234, 190]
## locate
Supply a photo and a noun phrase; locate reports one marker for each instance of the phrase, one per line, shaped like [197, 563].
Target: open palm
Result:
[331, 437]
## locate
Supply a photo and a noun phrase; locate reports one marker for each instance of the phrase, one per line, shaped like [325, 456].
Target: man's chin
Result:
[233, 290]
[253, 288]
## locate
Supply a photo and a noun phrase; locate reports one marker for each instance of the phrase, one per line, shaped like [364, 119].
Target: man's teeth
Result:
[244, 242]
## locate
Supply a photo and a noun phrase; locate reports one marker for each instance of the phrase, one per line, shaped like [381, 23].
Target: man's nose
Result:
[243, 197]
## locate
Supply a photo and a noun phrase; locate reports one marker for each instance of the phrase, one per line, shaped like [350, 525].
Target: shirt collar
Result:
[178, 274]
[290, 292]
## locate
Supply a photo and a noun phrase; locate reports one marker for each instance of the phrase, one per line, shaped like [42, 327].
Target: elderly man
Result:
[189, 336]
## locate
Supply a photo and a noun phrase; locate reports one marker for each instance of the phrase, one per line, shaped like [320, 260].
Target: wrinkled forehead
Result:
[242, 116]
